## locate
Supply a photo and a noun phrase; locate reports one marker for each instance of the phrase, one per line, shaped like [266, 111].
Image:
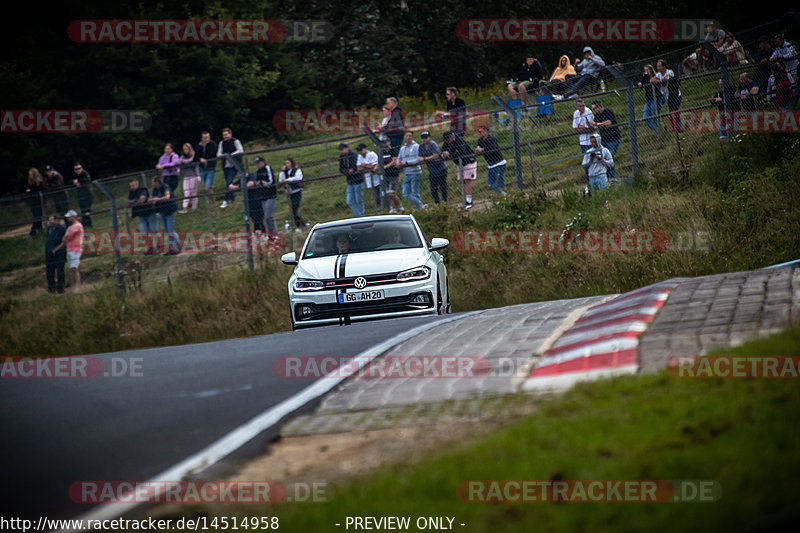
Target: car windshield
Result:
[362, 237]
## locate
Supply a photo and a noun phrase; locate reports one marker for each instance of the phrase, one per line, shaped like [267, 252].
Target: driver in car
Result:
[342, 244]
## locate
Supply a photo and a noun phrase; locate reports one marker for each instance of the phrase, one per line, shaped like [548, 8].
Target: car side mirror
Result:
[289, 259]
[439, 244]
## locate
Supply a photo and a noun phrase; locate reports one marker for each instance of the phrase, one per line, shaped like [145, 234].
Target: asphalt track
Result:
[59, 431]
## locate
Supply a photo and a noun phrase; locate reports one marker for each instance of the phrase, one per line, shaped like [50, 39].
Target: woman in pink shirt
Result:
[168, 165]
[191, 177]
[73, 240]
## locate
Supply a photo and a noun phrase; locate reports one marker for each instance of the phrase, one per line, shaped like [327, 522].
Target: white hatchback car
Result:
[365, 268]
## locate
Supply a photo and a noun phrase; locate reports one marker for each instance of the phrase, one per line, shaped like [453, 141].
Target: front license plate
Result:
[362, 296]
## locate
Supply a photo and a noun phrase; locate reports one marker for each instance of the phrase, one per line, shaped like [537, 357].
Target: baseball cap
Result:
[70, 213]
[587, 49]
[48, 167]
[425, 133]
[342, 145]
[447, 135]
[260, 160]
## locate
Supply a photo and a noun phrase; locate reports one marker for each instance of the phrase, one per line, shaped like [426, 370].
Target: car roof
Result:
[362, 219]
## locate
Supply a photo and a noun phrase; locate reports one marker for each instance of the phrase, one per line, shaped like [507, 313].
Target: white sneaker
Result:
[392, 210]
[468, 206]
[503, 193]
[183, 211]
[297, 230]
[224, 204]
[402, 209]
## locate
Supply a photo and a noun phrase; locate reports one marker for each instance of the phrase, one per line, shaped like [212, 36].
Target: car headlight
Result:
[414, 274]
[302, 285]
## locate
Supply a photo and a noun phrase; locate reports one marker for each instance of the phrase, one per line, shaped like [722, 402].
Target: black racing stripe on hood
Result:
[342, 264]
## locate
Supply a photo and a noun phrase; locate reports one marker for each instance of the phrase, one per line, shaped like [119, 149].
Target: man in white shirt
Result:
[368, 165]
[580, 124]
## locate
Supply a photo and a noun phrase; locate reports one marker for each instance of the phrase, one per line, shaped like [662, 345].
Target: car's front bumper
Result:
[313, 309]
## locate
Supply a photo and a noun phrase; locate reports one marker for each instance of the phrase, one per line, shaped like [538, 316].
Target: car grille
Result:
[397, 304]
[372, 280]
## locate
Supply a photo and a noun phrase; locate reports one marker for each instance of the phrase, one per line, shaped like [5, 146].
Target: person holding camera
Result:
[597, 161]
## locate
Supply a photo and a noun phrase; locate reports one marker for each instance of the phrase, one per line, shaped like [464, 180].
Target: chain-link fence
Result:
[541, 149]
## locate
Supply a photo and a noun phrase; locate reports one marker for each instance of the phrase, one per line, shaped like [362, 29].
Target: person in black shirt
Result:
[348, 167]
[139, 202]
[391, 173]
[83, 181]
[720, 103]
[54, 185]
[206, 152]
[457, 150]
[35, 186]
[394, 130]
[746, 92]
[163, 199]
[54, 261]
[606, 122]
[490, 150]
[761, 58]
[528, 77]
[456, 112]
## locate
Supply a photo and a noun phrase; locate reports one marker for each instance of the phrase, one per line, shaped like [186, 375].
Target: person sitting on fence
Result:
[557, 82]
[527, 78]
[588, 71]
[597, 161]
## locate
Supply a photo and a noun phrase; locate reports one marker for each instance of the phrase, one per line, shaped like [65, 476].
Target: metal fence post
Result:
[632, 138]
[245, 209]
[512, 115]
[115, 229]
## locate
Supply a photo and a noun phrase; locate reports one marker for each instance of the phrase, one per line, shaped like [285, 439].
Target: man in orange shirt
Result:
[73, 241]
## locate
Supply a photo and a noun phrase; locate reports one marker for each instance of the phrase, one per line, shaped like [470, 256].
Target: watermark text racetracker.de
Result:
[734, 367]
[199, 31]
[579, 241]
[714, 120]
[75, 367]
[74, 121]
[581, 30]
[588, 491]
[355, 120]
[191, 242]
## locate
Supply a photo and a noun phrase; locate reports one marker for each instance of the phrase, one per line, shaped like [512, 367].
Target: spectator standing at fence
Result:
[719, 100]
[83, 183]
[292, 177]
[489, 148]
[733, 51]
[580, 124]
[597, 161]
[558, 79]
[54, 260]
[395, 130]
[54, 186]
[206, 153]
[35, 186]
[746, 94]
[526, 79]
[408, 160]
[348, 167]
[139, 202]
[163, 199]
[255, 198]
[391, 173]
[761, 57]
[380, 128]
[785, 52]
[649, 83]
[231, 150]
[73, 244]
[457, 150]
[588, 71]
[191, 177]
[430, 154]
[456, 112]
[168, 165]
[269, 194]
[671, 92]
[779, 87]
[606, 123]
[367, 162]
